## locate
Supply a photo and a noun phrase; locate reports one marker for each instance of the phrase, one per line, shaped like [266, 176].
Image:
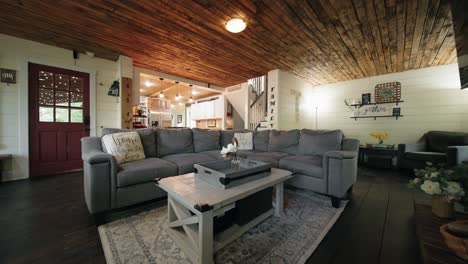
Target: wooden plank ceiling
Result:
[322, 41]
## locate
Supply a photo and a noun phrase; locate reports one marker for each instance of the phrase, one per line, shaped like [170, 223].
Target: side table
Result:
[383, 158]
[2, 158]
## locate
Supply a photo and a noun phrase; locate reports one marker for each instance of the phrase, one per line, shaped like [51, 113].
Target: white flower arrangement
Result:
[229, 150]
[438, 181]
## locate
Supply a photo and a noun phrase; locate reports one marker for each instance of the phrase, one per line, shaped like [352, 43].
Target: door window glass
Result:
[60, 98]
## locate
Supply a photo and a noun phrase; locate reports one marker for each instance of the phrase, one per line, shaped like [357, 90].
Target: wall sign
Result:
[373, 110]
[388, 92]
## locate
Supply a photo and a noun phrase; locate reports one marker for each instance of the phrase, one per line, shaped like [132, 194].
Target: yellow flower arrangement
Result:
[379, 136]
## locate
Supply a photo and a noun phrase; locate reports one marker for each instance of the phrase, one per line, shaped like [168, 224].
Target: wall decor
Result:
[373, 110]
[272, 108]
[387, 92]
[366, 98]
[7, 76]
[396, 111]
[212, 123]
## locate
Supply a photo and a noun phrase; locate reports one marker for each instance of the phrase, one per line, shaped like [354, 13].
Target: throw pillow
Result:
[125, 147]
[245, 140]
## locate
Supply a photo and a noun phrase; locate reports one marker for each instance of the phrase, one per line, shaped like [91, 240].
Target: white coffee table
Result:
[193, 203]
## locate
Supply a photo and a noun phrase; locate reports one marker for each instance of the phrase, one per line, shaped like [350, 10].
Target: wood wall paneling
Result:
[323, 41]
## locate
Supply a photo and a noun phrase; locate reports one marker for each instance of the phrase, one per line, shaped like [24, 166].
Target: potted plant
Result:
[380, 137]
[444, 185]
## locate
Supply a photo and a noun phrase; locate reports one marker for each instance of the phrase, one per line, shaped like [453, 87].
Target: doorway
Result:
[58, 119]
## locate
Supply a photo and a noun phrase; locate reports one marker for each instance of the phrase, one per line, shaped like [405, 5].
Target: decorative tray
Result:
[223, 174]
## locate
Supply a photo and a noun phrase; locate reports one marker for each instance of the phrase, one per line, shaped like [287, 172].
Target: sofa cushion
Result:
[125, 147]
[227, 135]
[438, 141]
[268, 157]
[434, 157]
[260, 140]
[204, 140]
[147, 136]
[213, 153]
[143, 171]
[303, 164]
[186, 161]
[317, 142]
[174, 141]
[244, 140]
[283, 141]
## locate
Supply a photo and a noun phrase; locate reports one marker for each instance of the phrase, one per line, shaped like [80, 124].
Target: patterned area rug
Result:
[291, 238]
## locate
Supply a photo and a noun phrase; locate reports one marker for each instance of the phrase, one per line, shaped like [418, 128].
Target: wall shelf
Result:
[361, 105]
[375, 117]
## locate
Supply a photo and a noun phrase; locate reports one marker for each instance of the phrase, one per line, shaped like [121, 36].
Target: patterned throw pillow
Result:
[125, 147]
[245, 140]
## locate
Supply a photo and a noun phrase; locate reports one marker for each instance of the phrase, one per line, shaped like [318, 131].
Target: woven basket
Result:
[459, 245]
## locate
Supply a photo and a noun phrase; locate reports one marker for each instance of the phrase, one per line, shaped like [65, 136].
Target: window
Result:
[60, 98]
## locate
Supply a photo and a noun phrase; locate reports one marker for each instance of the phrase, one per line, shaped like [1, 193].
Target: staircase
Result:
[257, 103]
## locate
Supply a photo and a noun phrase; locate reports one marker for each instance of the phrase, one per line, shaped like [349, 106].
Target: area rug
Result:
[291, 238]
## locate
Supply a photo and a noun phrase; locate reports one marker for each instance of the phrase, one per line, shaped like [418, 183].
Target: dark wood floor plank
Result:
[399, 241]
[47, 221]
[334, 239]
[362, 243]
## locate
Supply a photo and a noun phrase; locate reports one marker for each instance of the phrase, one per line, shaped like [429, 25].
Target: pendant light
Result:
[161, 94]
[177, 97]
[191, 91]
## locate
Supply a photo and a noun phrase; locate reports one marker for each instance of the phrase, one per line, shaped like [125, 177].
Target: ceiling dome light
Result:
[235, 25]
[148, 84]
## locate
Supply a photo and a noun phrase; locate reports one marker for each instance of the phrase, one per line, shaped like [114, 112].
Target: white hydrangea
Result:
[431, 188]
[454, 188]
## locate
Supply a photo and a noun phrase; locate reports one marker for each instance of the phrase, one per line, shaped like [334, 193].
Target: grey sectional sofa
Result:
[322, 161]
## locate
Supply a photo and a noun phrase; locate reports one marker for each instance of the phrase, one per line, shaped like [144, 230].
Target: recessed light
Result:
[194, 92]
[161, 94]
[235, 25]
[148, 84]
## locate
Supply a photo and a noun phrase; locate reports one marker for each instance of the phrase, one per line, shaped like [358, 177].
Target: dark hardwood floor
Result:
[46, 221]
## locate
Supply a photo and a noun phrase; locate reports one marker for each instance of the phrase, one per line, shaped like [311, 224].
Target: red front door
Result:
[58, 119]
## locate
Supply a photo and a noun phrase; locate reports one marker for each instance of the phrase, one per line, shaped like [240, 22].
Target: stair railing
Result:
[258, 107]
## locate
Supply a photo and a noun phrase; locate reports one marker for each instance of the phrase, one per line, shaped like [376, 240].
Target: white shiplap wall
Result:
[13, 53]
[433, 101]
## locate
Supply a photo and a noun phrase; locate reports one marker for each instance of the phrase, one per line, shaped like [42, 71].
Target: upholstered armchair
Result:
[449, 148]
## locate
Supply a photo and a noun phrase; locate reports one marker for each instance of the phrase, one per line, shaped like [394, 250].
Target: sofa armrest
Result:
[350, 144]
[456, 155]
[342, 154]
[340, 171]
[99, 170]
[403, 148]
